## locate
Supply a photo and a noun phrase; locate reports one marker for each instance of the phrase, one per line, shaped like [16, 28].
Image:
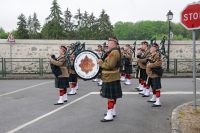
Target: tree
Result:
[94, 27]
[54, 27]
[3, 34]
[30, 26]
[78, 18]
[22, 32]
[149, 29]
[67, 21]
[1, 30]
[36, 24]
[105, 26]
[56, 13]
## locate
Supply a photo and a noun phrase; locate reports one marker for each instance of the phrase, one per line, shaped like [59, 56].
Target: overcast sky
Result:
[118, 10]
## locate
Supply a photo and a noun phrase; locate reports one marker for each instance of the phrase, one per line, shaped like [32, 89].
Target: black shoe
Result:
[145, 96]
[137, 89]
[104, 120]
[151, 101]
[65, 101]
[156, 105]
[72, 94]
[58, 103]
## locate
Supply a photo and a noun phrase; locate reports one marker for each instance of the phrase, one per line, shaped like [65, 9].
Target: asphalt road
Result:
[26, 106]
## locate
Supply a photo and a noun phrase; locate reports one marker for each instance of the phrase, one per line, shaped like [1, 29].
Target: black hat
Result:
[63, 48]
[155, 45]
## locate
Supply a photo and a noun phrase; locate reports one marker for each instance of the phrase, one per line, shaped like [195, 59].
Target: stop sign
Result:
[190, 16]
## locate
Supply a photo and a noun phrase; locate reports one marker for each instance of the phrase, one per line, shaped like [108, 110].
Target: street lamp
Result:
[169, 18]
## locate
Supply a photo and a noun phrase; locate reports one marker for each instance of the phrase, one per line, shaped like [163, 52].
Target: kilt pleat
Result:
[72, 78]
[143, 74]
[128, 69]
[61, 82]
[111, 90]
[155, 83]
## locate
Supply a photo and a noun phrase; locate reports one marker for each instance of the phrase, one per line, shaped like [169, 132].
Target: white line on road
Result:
[47, 114]
[26, 88]
[198, 78]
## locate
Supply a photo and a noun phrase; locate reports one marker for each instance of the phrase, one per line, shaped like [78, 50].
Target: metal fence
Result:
[41, 66]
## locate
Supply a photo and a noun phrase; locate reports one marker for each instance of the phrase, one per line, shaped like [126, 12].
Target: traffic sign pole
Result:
[194, 69]
[190, 19]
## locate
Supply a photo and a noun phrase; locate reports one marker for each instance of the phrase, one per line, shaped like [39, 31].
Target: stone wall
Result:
[181, 50]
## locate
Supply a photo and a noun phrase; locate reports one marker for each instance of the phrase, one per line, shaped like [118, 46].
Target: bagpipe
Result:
[161, 49]
[157, 70]
[73, 50]
[55, 69]
[134, 49]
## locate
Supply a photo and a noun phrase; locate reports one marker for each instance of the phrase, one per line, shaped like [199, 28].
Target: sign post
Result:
[190, 19]
[194, 69]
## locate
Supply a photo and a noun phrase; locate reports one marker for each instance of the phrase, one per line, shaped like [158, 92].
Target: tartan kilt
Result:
[128, 69]
[111, 90]
[61, 82]
[155, 83]
[72, 78]
[143, 74]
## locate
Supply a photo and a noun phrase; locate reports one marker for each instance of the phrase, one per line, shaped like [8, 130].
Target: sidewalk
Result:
[184, 119]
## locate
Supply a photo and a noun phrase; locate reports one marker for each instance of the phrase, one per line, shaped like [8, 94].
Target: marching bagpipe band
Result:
[84, 61]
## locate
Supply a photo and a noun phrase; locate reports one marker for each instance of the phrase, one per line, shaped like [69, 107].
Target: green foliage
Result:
[33, 25]
[54, 28]
[105, 27]
[1, 30]
[22, 32]
[3, 35]
[149, 29]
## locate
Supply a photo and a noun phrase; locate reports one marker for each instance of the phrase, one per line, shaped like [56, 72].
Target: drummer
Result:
[111, 87]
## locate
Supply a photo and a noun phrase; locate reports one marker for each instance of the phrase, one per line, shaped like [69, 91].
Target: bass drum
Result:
[85, 65]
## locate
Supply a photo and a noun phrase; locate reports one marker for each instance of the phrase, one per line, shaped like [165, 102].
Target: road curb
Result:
[175, 123]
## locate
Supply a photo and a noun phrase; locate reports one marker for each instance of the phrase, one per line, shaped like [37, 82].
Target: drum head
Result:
[85, 65]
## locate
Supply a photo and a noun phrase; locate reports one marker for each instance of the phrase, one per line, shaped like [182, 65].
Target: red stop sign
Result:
[190, 16]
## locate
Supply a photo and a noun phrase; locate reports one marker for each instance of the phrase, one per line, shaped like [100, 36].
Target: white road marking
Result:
[163, 93]
[198, 78]
[78, 99]
[47, 114]
[22, 89]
